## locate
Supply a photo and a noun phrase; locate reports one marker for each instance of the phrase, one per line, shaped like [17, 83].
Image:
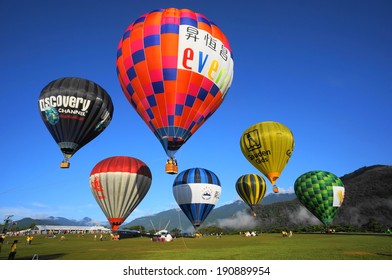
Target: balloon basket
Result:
[171, 168]
[64, 164]
[276, 190]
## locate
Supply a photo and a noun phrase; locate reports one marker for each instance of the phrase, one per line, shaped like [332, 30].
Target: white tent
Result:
[42, 229]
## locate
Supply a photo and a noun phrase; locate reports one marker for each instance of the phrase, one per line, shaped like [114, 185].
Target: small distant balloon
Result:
[251, 188]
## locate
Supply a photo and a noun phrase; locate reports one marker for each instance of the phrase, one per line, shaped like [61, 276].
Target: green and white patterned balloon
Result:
[321, 192]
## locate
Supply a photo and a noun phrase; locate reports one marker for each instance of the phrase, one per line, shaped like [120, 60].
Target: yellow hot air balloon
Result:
[268, 147]
[251, 188]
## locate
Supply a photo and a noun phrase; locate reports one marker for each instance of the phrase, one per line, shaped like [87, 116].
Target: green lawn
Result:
[234, 247]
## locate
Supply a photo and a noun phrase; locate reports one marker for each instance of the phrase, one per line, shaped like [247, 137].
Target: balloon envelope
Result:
[268, 147]
[251, 188]
[175, 67]
[321, 192]
[75, 111]
[119, 184]
[196, 191]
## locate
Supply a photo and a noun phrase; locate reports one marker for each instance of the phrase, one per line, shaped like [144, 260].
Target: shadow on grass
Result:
[384, 254]
[43, 257]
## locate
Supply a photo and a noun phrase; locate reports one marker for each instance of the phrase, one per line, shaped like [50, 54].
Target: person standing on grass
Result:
[1, 242]
[12, 254]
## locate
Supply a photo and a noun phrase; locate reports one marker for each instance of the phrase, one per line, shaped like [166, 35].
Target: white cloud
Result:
[303, 216]
[241, 220]
[39, 205]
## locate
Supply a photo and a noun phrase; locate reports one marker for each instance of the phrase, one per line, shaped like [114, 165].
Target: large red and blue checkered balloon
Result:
[175, 67]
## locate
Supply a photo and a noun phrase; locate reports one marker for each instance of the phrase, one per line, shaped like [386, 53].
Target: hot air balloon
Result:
[119, 184]
[175, 67]
[196, 191]
[268, 147]
[75, 111]
[251, 188]
[322, 193]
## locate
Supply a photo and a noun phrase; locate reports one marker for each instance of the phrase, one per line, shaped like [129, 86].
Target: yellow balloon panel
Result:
[268, 147]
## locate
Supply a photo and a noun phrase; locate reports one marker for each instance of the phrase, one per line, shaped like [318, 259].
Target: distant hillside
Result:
[220, 215]
[27, 222]
[368, 197]
[173, 218]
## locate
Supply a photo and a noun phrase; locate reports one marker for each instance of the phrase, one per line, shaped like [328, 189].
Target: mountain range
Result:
[220, 216]
[26, 222]
[368, 197]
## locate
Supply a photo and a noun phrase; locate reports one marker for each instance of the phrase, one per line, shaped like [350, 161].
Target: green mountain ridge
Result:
[368, 198]
[220, 215]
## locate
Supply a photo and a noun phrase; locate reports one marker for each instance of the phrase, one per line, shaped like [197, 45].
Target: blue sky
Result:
[322, 68]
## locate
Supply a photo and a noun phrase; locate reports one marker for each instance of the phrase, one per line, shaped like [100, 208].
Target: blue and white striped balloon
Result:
[196, 191]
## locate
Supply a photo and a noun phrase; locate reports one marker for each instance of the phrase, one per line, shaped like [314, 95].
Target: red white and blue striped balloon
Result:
[197, 190]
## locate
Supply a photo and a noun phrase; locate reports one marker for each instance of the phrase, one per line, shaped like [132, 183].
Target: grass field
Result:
[231, 247]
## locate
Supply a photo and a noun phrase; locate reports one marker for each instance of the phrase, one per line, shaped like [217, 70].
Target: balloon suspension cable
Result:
[179, 221]
[172, 159]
